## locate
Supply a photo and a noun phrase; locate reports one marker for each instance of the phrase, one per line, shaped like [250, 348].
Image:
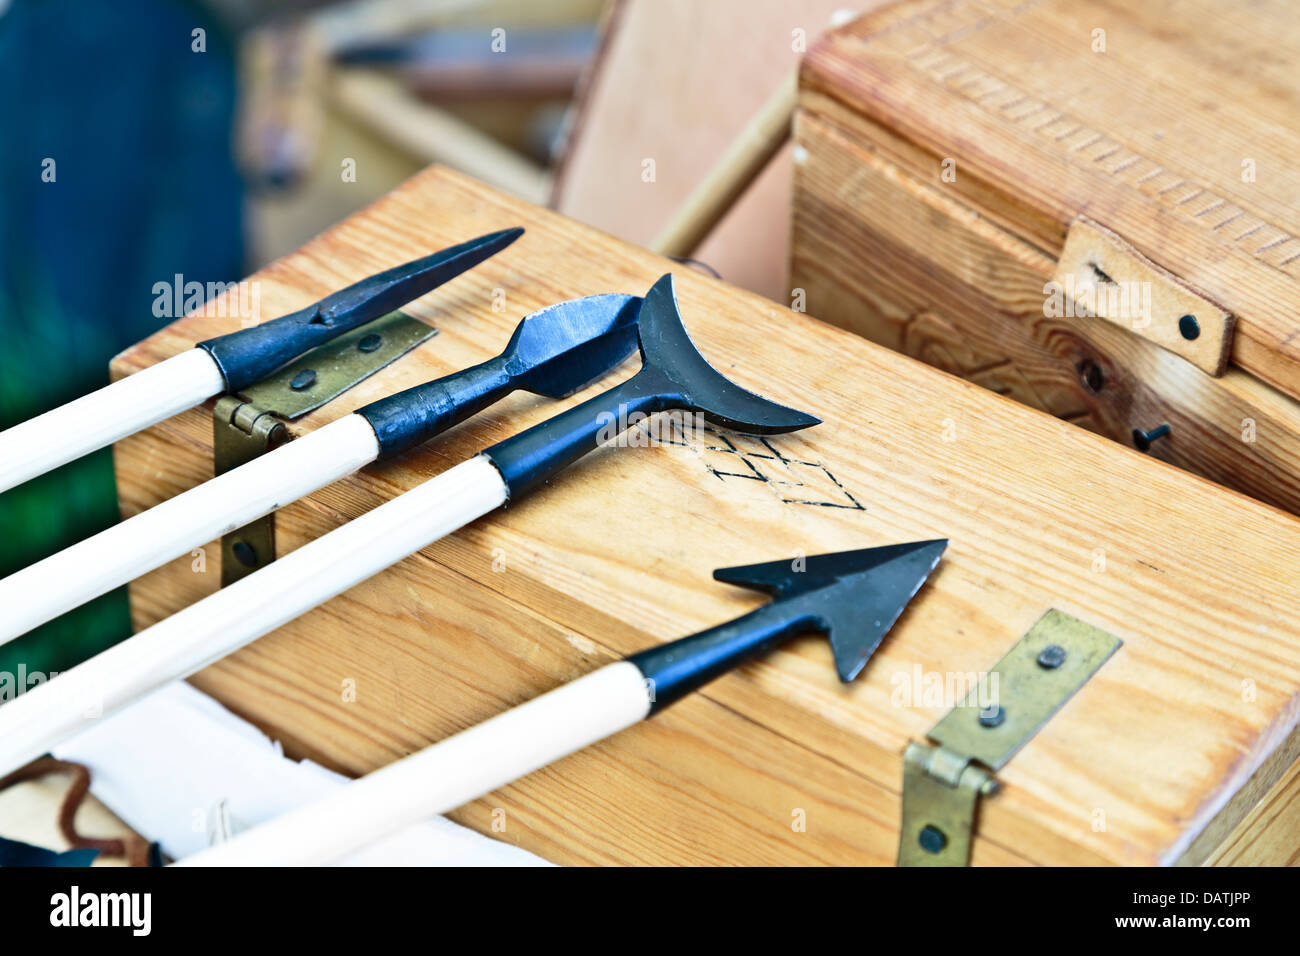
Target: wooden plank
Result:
[1270, 834]
[908, 264]
[1042, 126]
[1197, 582]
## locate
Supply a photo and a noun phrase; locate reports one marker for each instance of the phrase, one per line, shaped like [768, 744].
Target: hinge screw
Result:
[1051, 657]
[1142, 440]
[931, 839]
[992, 716]
[304, 379]
[245, 553]
[371, 342]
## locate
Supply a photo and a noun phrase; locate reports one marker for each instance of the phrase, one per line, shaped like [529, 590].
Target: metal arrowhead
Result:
[668, 354]
[383, 292]
[562, 348]
[855, 596]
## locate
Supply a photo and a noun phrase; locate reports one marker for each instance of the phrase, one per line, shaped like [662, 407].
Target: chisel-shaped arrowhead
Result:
[853, 596]
[554, 352]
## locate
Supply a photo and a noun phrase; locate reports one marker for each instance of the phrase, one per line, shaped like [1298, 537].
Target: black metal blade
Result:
[250, 355]
[553, 352]
[673, 376]
[667, 349]
[563, 348]
[855, 595]
[385, 291]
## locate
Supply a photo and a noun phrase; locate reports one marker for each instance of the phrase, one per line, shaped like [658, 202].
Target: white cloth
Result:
[164, 763]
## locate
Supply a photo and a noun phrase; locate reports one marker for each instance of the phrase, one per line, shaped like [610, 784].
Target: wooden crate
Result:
[1173, 741]
[956, 156]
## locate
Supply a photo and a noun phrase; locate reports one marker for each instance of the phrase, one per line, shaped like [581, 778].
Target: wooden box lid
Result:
[1199, 582]
[1174, 124]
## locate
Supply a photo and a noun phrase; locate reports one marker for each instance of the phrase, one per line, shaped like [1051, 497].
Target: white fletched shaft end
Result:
[446, 775]
[221, 623]
[125, 551]
[93, 421]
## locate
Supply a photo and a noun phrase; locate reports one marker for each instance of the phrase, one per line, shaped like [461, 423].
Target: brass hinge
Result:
[942, 784]
[250, 424]
[240, 432]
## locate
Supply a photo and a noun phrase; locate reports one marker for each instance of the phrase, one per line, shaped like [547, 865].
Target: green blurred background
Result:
[144, 186]
[203, 137]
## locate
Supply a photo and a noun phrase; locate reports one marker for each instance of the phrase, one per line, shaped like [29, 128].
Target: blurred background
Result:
[144, 139]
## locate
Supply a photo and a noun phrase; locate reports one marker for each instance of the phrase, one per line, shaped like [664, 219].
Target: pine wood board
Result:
[1199, 582]
[907, 263]
[1149, 138]
[1255, 841]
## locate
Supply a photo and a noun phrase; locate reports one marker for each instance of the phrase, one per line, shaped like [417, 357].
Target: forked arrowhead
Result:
[856, 596]
[673, 375]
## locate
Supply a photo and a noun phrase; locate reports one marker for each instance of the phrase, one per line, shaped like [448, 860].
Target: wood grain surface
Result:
[777, 763]
[1255, 841]
[1177, 135]
[904, 261]
[1112, 280]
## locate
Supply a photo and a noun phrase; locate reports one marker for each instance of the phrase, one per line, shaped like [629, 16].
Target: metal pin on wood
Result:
[1142, 440]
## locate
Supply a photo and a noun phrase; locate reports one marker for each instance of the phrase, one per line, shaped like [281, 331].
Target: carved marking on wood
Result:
[793, 480]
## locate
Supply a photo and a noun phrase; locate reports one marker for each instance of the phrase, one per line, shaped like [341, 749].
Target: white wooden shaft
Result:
[125, 551]
[223, 622]
[445, 775]
[102, 417]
